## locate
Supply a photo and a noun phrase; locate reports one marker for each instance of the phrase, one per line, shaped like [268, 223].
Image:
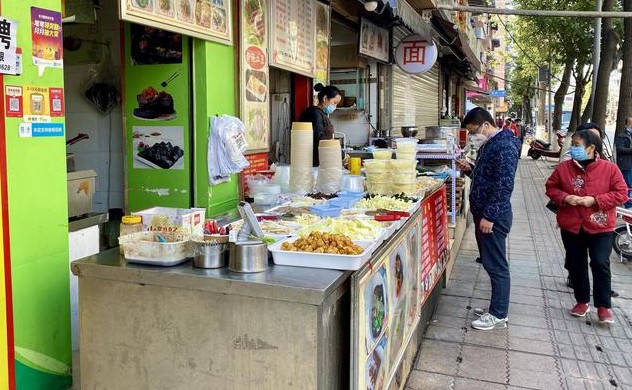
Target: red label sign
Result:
[258, 162]
[56, 98]
[14, 101]
[255, 57]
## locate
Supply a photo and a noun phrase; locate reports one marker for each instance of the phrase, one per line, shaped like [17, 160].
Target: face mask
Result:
[478, 140]
[329, 109]
[578, 153]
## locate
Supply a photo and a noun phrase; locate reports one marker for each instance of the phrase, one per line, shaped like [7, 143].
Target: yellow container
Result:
[355, 164]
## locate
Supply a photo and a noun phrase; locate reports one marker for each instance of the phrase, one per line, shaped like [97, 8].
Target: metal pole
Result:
[596, 53]
[533, 12]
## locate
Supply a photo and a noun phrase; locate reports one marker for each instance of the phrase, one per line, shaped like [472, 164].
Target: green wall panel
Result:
[158, 187]
[214, 69]
[38, 228]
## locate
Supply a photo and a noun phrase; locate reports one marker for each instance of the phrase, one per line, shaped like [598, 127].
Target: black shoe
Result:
[569, 283]
[613, 294]
[478, 260]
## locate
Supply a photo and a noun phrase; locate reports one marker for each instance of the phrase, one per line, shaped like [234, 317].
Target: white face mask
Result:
[478, 140]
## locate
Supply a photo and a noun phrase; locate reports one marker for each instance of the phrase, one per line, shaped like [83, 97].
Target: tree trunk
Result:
[602, 81]
[577, 98]
[560, 94]
[624, 109]
[587, 110]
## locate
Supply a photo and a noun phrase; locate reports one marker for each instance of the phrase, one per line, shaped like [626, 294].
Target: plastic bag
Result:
[101, 87]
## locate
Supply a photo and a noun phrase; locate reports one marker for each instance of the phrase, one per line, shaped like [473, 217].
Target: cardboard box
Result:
[168, 219]
[80, 192]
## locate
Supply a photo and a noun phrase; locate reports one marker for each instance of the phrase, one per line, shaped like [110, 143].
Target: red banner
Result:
[434, 239]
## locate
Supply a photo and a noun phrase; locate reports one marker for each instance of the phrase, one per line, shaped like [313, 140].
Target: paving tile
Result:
[443, 333]
[438, 357]
[447, 321]
[527, 332]
[539, 347]
[525, 299]
[543, 380]
[485, 364]
[496, 338]
[469, 384]
[623, 375]
[530, 362]
[421, 380]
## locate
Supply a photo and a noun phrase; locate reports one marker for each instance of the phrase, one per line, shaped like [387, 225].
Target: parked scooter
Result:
[623, 235]
[539, 148]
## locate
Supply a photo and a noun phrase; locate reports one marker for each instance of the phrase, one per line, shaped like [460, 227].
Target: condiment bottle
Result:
[130, 224]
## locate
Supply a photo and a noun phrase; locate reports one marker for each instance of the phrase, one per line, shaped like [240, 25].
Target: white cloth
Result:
[226, 144]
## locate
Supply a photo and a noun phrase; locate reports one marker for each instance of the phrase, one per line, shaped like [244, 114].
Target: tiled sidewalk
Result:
[543, 347]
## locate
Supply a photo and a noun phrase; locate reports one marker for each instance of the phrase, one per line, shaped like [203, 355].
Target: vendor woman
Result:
[328, 99]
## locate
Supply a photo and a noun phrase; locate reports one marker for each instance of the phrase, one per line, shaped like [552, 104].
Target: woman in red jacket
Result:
[587, 190]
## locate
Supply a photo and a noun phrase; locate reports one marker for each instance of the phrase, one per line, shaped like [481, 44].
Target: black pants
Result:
[578, 248]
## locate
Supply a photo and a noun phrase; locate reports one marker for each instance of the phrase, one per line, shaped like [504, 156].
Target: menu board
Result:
[434, 240]
[254, 74]
[205, 19]
[389, 293]
[292, 30]
[374, 41]
[321, 72]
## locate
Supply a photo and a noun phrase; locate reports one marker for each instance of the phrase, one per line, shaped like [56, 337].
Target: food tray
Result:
[344, 202]
[322, 260]
[326, 210]
[143, 248]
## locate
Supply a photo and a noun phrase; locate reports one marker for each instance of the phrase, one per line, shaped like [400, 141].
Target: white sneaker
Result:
[489, 322]
[479, 311]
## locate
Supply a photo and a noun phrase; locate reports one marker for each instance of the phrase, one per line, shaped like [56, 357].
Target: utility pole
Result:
[596, 54]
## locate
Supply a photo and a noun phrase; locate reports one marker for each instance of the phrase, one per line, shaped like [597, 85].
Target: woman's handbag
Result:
[552, 206]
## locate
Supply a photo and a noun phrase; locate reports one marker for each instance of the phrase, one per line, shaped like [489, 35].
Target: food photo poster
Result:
[158, 147]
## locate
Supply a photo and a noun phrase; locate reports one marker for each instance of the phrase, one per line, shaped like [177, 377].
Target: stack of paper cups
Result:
[301, 157]
[330, 169]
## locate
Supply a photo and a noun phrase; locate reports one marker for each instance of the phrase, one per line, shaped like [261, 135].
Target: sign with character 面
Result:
[8, 46]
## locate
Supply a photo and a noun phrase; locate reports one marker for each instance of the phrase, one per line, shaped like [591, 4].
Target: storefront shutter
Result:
[414, 98]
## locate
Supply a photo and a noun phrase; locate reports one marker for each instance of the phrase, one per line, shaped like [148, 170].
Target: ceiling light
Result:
[370, 5]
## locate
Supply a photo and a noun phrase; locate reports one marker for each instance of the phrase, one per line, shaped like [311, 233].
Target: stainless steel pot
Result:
[248, 257]
[410, 131]
[210, 255]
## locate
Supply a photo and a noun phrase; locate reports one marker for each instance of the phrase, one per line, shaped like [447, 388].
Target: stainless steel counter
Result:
[292, 284]
[92, 219]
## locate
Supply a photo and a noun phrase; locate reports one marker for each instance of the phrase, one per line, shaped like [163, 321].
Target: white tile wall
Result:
[105, 147]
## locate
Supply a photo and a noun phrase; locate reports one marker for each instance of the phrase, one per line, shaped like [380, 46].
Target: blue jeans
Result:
[493, 250]
[627, 175]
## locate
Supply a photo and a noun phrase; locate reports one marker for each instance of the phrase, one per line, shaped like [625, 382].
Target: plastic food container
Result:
[322, 260]
[408, 189]
[352, 183]
[404, 178]
[326, 210]
[403, 165]
[376, 165]
[380, 188]
[382, 154]
[265, 199]
[145, 248]
[407, 144]
[377, 177]
[344, 202]
[130, 224]
[406, 155]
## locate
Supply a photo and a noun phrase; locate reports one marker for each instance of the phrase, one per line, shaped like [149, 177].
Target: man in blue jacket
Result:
[490, 203]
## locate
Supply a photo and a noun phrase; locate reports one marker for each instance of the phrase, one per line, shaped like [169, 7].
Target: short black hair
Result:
[477, 116]
[518, 120]
[590, 138]
[590, 125]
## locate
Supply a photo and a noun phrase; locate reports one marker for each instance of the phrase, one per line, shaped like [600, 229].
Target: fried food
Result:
[317, 242]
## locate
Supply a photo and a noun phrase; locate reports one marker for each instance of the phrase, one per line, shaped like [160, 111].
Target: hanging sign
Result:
[416, 54]
[14, 102]
[8, 46]
[292, 32]
[254, 75]
[497, 93]
[47, 40]
[374, 41]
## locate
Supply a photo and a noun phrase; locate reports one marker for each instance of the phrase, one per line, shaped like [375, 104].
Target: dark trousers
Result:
[493, 250]
[627, 175]
[578, 248]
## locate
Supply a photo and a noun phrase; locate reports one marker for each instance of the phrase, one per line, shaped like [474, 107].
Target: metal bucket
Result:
[248, 257]
[209, 254]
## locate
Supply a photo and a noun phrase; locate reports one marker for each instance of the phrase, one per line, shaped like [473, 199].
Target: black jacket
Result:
[623, 143]
[323, 129]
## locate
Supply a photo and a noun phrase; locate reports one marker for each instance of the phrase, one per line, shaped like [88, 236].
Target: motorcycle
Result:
[623, 235]
[539, 148]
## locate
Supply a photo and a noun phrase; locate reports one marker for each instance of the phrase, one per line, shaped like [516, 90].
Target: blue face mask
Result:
[578, 153]
[329, 109]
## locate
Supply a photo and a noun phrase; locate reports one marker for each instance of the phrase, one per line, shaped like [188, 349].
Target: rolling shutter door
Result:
[414, 98]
